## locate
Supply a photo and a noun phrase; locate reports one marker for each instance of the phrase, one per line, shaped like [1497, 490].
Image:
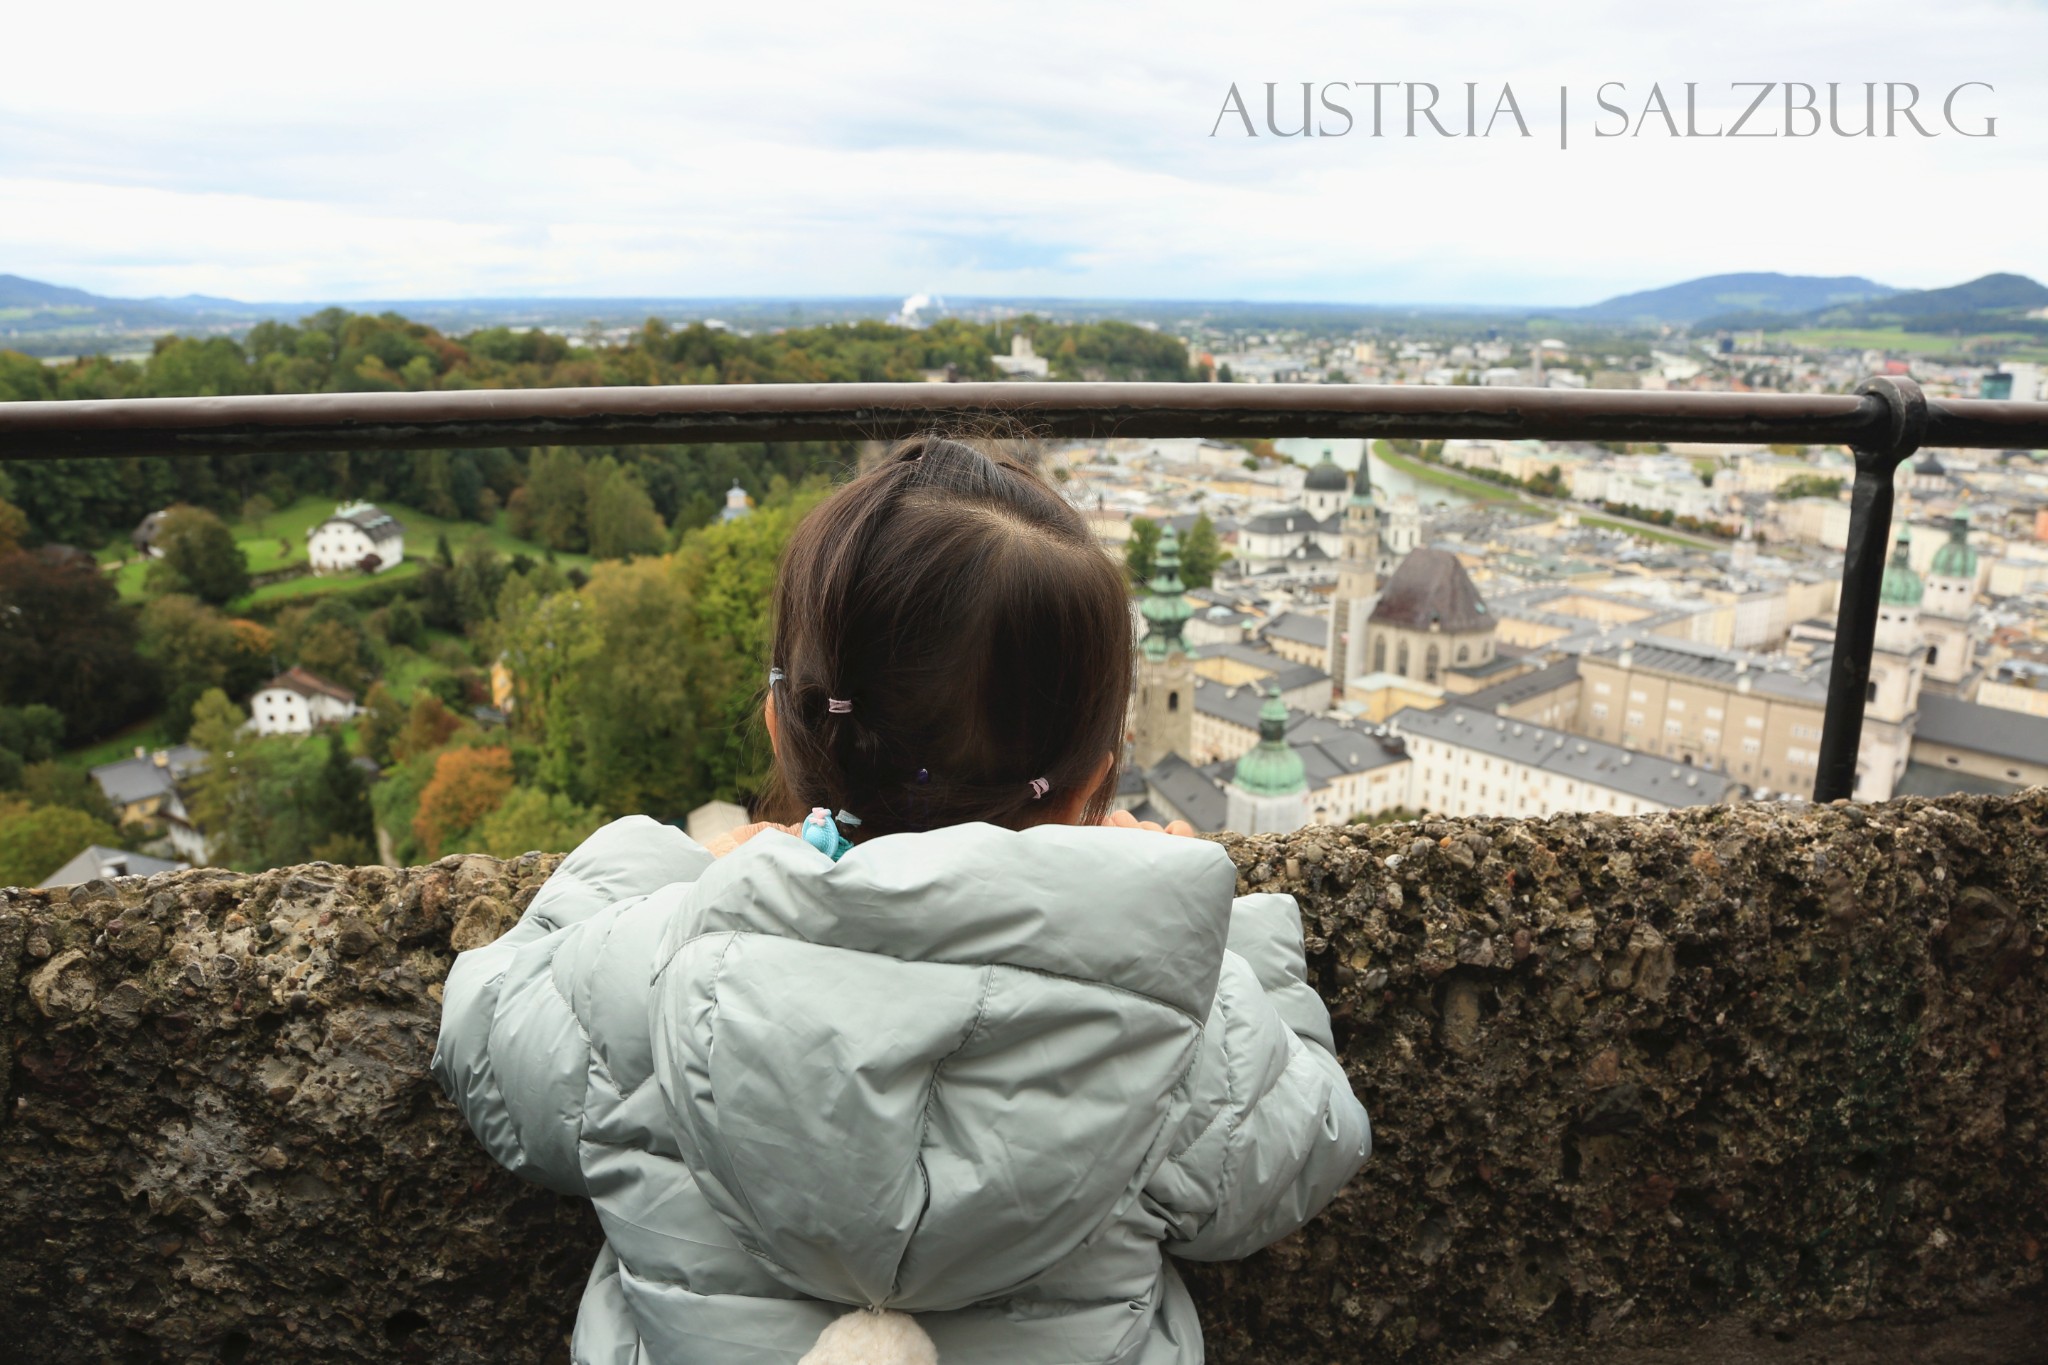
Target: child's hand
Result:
[726, 843]
[1123, 819]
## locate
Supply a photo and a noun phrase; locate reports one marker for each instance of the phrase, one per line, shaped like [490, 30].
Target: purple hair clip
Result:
[1039, 787]
[838, 707]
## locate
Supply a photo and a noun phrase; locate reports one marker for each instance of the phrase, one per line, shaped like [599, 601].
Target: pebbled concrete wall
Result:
[1744, 1084]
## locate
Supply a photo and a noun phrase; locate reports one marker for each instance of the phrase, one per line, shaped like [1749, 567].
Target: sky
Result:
[1044, 149]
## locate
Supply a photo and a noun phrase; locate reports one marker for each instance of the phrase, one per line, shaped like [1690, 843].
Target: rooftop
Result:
[100, 861]
[1430, 590]
[1588, 760]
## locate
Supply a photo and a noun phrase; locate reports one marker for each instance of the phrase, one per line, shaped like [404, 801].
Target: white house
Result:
[295, 701]
[357, 538]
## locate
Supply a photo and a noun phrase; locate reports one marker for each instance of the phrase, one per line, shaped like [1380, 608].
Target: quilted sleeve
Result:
[1274, 1131]
[513, 1053]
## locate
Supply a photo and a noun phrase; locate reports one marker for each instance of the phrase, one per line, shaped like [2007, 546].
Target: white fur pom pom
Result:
[868, 1337]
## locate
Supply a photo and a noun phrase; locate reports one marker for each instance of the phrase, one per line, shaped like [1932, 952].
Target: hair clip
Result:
[924, 775]
[846, 817]
[1039, 787]
[838, 707]
[820, 833]
[775, 676]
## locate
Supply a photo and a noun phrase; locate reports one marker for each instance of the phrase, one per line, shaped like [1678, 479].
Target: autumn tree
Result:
[13, 528]
[468, 784]
[194, 647]
[428, 725]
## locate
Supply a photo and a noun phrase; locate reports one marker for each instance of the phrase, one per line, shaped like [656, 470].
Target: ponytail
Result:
[873, 1336]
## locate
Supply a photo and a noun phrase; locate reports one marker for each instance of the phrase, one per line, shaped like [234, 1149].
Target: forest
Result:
[576, 633]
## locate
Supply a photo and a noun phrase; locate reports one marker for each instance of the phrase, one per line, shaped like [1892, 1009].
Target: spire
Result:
[1165, 607]
[1272, 768]
[1902, 587]
[1361, 486]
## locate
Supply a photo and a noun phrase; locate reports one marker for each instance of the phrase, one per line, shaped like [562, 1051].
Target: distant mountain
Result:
[16, 292]
[1715, 295]
[1991, 303]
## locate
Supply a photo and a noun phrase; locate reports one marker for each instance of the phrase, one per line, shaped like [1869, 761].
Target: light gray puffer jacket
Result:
[978, 1075]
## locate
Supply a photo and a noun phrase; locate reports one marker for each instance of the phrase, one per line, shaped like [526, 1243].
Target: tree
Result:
[13, 528]
[340, 809]
[1200, 553]
[1140, 548]
[1809, 486]
[200, 556]
[382, 721]
[428, 725]
[257, 510]
[67, 642]
[50, 783]
[531, 819]
[556, 494]
[37, 840]
[468, 784]
[623, 521]
[402, 624]
[193, 647]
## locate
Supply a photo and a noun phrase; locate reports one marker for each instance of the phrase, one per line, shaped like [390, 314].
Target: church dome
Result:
[1902, 587]
[1272, 768]
[1326, 477]
[1956, 559]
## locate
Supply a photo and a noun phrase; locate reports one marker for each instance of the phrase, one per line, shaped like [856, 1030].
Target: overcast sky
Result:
[444, 150]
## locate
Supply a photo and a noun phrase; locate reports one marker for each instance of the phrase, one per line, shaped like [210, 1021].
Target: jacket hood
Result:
[920, 1076]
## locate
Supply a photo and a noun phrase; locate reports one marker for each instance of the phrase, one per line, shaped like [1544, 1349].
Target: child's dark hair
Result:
[975, 634]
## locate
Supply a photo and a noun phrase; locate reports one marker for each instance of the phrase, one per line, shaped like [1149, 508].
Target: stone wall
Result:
[1752, 1083]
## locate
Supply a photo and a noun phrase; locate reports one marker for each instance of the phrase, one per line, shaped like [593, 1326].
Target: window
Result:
[1672, 727]
[1711, 736]
[1870, 692]
[1752, 722]
[1713, 713]
[1429, 665]
[1379, 655]
[1401, 659]
[1173, 701]
[1806, 732]
[1601, 689]
[1599, 710]
[1932, 651]
[1465, 652]
[1635, 718]
[1676, 704]
[1752, 746]
[1638, 696]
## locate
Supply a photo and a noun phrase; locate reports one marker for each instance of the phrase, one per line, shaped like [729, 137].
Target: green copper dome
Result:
[1902, 587]
[1956, 559]
[1272, 768]
[1165, 607]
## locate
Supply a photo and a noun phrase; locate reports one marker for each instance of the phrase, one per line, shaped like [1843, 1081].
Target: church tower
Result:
[1269, 792]
[1163, 713]
[1357, 579]
[1893, 700]
[1945, 614]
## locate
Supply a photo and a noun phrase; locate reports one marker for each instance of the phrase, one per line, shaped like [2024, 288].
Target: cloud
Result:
[387, 151]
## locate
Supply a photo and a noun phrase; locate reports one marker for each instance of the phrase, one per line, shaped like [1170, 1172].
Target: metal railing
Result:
[1883, 422]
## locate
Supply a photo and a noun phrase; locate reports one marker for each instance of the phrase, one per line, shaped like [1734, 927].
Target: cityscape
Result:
[1328, 631]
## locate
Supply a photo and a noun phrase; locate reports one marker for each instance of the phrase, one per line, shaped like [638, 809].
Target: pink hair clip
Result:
[1039, 787]
[838, 707]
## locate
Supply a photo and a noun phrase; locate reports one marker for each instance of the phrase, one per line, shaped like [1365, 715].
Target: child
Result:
[958, 1047]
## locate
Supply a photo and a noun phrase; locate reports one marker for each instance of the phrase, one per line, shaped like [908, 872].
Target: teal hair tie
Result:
[821, 833]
